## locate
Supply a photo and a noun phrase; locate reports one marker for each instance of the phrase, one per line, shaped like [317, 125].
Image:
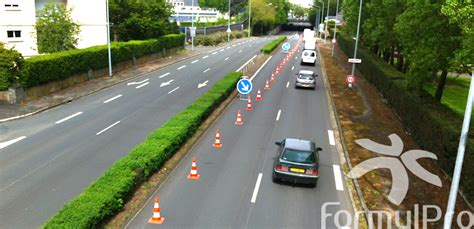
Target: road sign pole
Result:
[357, 37]
[335, 28]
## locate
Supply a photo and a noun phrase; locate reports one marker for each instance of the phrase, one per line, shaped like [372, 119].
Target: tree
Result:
[263, 15]
[298, 11]
[140, 19]
[11, 62]
[55, 29]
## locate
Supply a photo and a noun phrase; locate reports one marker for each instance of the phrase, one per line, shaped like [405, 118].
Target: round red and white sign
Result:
[350, 79]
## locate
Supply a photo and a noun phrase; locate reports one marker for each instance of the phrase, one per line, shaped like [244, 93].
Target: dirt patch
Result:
[363, 113]
[147, 189]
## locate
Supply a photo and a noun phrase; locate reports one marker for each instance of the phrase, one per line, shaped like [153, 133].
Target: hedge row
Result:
[268, 48]
[106, 195]
[217, 38]
[43, 69]
[434, 126]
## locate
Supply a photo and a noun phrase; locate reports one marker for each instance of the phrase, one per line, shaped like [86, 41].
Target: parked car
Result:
[308, 57]
[306, 79]
[297, 161]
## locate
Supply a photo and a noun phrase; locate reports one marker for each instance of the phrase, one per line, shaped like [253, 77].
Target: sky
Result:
[302, 2]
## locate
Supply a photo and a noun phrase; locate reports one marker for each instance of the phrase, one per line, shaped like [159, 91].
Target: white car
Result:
[308, 57]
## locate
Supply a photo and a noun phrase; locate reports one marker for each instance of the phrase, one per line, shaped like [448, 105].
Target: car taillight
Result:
[279, 167]
[315, 173]
[309, 171]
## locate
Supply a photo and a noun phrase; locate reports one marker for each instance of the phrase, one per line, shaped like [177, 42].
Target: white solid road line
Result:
[263, 65]
[208, 69]
[257, 186]
[133, 83]
[142, 85]
[113, 98]
[338, 177]
[226, 58]
[278, 115]
[164, 75]
[293, 68]
[173, 90]
[102, 131]
[214, 53]
[7, 143]
[181, 67]
[194, 61]
[69, 117]
[331, 138]
[204, 57]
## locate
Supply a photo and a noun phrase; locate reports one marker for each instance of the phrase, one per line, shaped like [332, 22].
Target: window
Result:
[13, 33]
[12, 6]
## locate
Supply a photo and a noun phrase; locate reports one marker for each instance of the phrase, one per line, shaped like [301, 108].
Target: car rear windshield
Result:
[298, 156]
[305, 76]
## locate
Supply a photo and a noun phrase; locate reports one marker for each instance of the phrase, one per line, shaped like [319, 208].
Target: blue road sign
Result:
[244, 86]
[286, 46]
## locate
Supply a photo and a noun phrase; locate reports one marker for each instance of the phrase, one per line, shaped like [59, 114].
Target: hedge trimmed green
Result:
[106, 195]
[434, 126]
[217, 38]
[43, 69]
[268, 48]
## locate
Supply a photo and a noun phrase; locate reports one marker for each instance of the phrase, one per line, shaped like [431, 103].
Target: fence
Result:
[213, 29]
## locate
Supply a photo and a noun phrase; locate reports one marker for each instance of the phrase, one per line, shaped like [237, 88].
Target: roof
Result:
[306, 72]
[298, 144]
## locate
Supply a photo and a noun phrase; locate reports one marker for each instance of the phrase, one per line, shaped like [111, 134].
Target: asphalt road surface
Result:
[229, 193]
[49, 158]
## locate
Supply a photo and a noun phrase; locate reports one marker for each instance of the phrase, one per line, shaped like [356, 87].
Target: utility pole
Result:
[228, 26]
[357, 37]
[108, 37]
[335, 28]
[192, 25]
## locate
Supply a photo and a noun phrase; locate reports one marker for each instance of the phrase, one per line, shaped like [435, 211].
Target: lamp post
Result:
[228, 26]
[335, 27]
[108, 37]
[322, 15]
[250, 17]
[326, 27]
[357, 37]
[192, 25]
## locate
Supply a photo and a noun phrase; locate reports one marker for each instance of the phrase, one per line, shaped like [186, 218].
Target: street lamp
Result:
[108, 37]
[357, 37]
[192, 25]
[250, 16]
[228, 26]
[322, 15]
[326, 27]
[335, 28]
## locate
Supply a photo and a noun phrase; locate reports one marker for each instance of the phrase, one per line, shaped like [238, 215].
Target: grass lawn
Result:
[454, 94]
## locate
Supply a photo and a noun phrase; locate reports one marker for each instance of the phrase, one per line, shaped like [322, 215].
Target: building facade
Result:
[184, 10]
[18, 18]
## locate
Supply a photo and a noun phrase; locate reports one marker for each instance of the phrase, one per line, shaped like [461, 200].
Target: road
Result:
[222, 197]
[49, 158]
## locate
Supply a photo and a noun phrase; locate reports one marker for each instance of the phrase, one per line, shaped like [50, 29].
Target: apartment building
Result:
[18, 17]
[183, 11]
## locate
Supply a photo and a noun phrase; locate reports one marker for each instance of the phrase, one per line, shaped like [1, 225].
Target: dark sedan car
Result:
[297, 161]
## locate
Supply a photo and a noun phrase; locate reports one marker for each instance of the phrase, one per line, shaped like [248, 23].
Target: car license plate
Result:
[296, 170]
[306, 85]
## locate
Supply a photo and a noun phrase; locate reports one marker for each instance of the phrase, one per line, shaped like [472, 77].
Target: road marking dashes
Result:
[181, 67]
[194, 61]
[331, 137]
[164, 75]
[113, 98]
[338, 177]
[107, 128]
[142, 85]
[257, 187]
[226, 58]
[214, 53]
[173, 90]
[7, 143]
[68, 117]
[287, 84]
[278, 115]
[204, 57]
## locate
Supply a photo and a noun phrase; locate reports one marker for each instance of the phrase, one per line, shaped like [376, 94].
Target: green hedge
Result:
[47, 68]
[217, 38]
[106, 195]
[268, 48]
[434, 126]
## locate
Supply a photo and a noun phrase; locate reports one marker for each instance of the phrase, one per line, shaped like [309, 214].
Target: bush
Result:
[268, 48]
[106, 195]
[44, 69]
[11, 62]
[217, 38]
[434, 127]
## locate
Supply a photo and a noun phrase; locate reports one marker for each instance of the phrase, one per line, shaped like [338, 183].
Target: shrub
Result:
[216, 38]
[11, 62]
[433, 126]
[107, 194]
[47, 68]
[268, 48]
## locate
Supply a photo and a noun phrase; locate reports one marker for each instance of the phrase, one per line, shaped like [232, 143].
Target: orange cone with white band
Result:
[249, 104]
[193, 175]
[217, 142]
[272, 79]
[259, 95]
[267, 86]
[239, 119]
[156, 218]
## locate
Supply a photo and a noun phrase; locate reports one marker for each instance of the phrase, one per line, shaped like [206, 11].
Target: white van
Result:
[308, 57]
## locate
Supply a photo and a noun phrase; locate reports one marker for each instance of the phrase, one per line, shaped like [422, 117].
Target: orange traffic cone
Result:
[217, 142]
[156, 218]
[267, 86]
[193, 175]
[249, 104]
[259, 95]
[272, 79]
[239, 119]
[277, 72]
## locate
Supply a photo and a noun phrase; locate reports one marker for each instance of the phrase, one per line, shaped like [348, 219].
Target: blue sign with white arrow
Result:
[286, 46]
[244, 86]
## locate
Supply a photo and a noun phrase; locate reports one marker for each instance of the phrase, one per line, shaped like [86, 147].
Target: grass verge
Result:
[268, 48]
[454, 94]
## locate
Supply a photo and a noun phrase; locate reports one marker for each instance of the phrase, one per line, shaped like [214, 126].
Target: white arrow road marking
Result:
[194, 61]
[278, 115]
[208, 69]
[288, 84]
[7, 143]
[164, 75]
[203, 84]
[204, 57]
[338, 177]
[69, 117]
[181, 67]
[257, 187]
[102, 131]
[245, 87]
[173, 90]
[331, 137]
[143, 85]
[166, 83]
[113, 98]
[133, 83]
[226, 58]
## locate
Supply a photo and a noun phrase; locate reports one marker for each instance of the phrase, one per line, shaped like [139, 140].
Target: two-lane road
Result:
[48, 159]
[235, 189]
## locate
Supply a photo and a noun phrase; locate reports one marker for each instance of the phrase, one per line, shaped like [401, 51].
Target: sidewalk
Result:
[15, 111]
